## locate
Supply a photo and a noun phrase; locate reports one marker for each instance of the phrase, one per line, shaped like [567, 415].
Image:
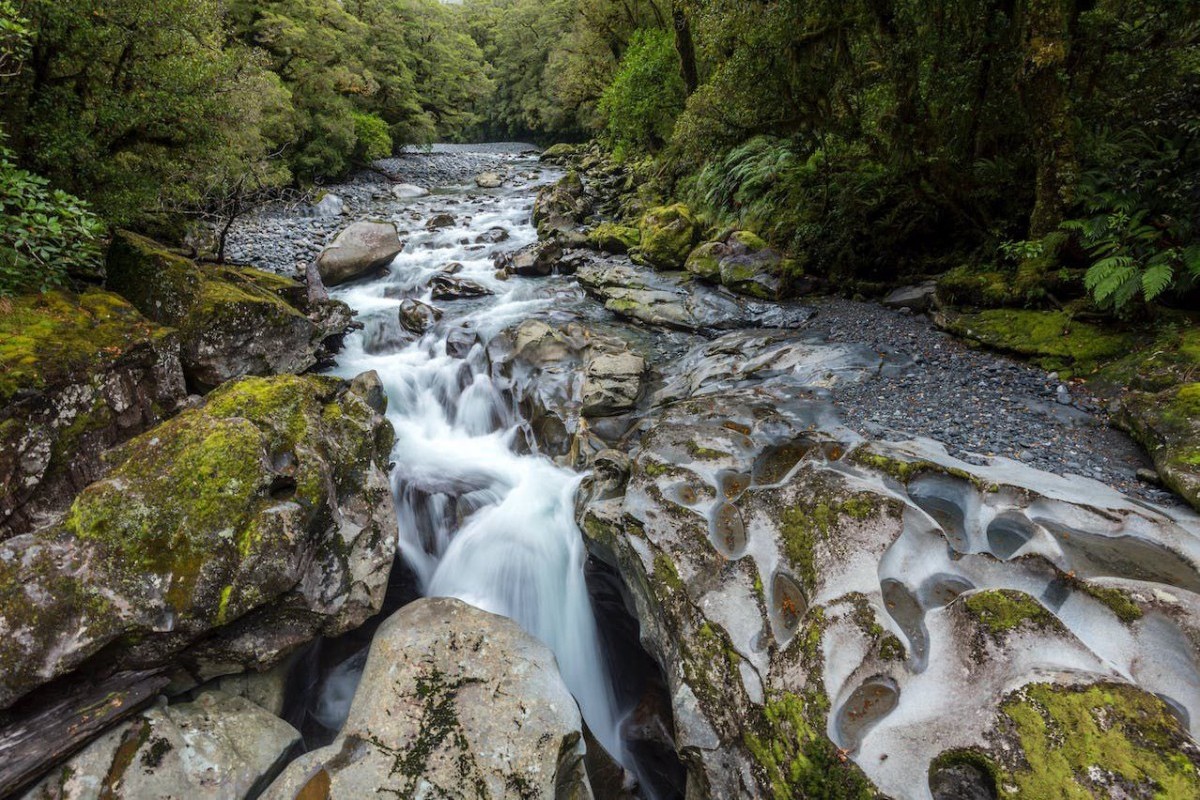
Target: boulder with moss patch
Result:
[218, 746]
[668, 233]
[253, 523]
[560, 208]
[611, 237]
[453, 702]
[79, 374]
[1168, 424]
[232, 321]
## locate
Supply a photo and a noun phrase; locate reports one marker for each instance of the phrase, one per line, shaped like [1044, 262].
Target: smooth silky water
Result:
[478, 520]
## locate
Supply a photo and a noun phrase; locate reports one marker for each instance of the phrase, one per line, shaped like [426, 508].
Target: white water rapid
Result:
[478, 520]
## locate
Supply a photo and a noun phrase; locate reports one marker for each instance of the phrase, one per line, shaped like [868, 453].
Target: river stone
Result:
[493, 236]
[489, 180]
[79, 374]
[453, 700]
[360, 250]
[533, 261]
[232, 321]
[217, 747]
[917, 299]
[330, 206]
[408, 191]
[417, 317]
[612, 383]
[559, 208]
[220, 540]
[446, 287]
[440, 221]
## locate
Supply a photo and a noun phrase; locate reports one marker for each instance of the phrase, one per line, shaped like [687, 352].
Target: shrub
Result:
[45, 234]
[373, 140]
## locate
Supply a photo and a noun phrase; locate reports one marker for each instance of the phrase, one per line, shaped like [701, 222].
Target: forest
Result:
[600, 399]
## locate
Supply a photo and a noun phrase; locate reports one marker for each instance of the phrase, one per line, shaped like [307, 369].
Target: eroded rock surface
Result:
[453, 702]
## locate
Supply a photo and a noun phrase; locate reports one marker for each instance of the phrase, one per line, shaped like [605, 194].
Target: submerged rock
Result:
[79, 374]
[221, 539]
[453, 701]
[417, 317]
[447, 287]
[360, 250]
[218, 746]
[232, 321]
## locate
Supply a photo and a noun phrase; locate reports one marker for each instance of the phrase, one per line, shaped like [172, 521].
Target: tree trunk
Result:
[1043, 84]
[686, 48]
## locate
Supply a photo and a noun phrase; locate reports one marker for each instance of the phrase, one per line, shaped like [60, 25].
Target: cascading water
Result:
[478, 520]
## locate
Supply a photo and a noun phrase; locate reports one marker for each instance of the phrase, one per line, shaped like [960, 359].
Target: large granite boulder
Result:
[668, 235]
[845, 618]
[79, 374]
[454, 702]
[219, 541]
[219, 747]
[232, 321]
[362, 249]
[560, 208]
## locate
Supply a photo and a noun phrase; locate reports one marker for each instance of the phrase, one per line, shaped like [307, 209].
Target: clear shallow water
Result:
[478, 520]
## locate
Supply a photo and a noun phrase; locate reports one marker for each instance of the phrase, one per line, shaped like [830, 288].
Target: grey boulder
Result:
[360, 250]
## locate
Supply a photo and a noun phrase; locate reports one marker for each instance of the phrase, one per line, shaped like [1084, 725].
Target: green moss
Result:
[804, 525]
[749, 240]
[705, 261]
[888, 645]
[613, 238]
[668, 234]
[1063, 735]
[972, 288]
[666, 573]
[1117, 601]
[705, 453]
[1003, 610]
[1051, 339]
[49, 338]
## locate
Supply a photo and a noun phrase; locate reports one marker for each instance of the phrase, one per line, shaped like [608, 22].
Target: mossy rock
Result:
[78, 375]
[560, 153]
[1050, 339]
[559, 208]
[1084, 742]
[966, 287]
[610, 237]
[1167, 424]
[204, 519]
[668, 235]
[232, 321]
[705, 261]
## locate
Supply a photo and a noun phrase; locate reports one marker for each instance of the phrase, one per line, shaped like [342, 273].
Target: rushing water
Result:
[478, 520]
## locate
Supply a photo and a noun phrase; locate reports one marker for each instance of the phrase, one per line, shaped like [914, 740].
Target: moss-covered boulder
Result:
[270, 497]
[453, 702]
[705, 261]
[668, 235]
[1051, 339]
[609, 237]
[1168, 425]
[561, 207]
[78, 375]
[560, 154]
[742, 263]
[231, 321]
[1088, 741]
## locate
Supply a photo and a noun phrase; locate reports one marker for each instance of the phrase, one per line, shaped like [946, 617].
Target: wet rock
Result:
[408, 191]
[536, 260]
[917, 299]
[489, 180]
[559, 208]
[613, 238]
[446, 287]
[244, 527]
[457, 697]
[1168, 425]
[360, 250]
[417, 317]
[267, 690]
[231, 321]
[668, 235]
[218, 746]
[612, 383]
[559, 154]
[78, 374]
[493, 236]
[441, 221]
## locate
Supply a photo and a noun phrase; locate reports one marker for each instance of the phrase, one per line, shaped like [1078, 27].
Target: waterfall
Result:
[478, 520]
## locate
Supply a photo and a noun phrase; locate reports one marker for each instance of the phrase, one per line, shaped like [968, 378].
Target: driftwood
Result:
[39, 735]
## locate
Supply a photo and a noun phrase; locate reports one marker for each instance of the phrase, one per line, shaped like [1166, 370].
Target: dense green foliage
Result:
[646, 94]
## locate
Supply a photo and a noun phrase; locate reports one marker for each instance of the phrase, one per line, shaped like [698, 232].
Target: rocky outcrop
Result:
[1167, 423]
[79, 374]
[219, 746]
[231, 321]
[362, 249]
[560, 208]
[742, 263]
[840, 618]
[453, 702]
[668, 235]
[219, 541]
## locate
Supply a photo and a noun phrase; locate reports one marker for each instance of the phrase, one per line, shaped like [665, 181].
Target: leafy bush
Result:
[374, 141]
[45, 234]
[647, 94]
